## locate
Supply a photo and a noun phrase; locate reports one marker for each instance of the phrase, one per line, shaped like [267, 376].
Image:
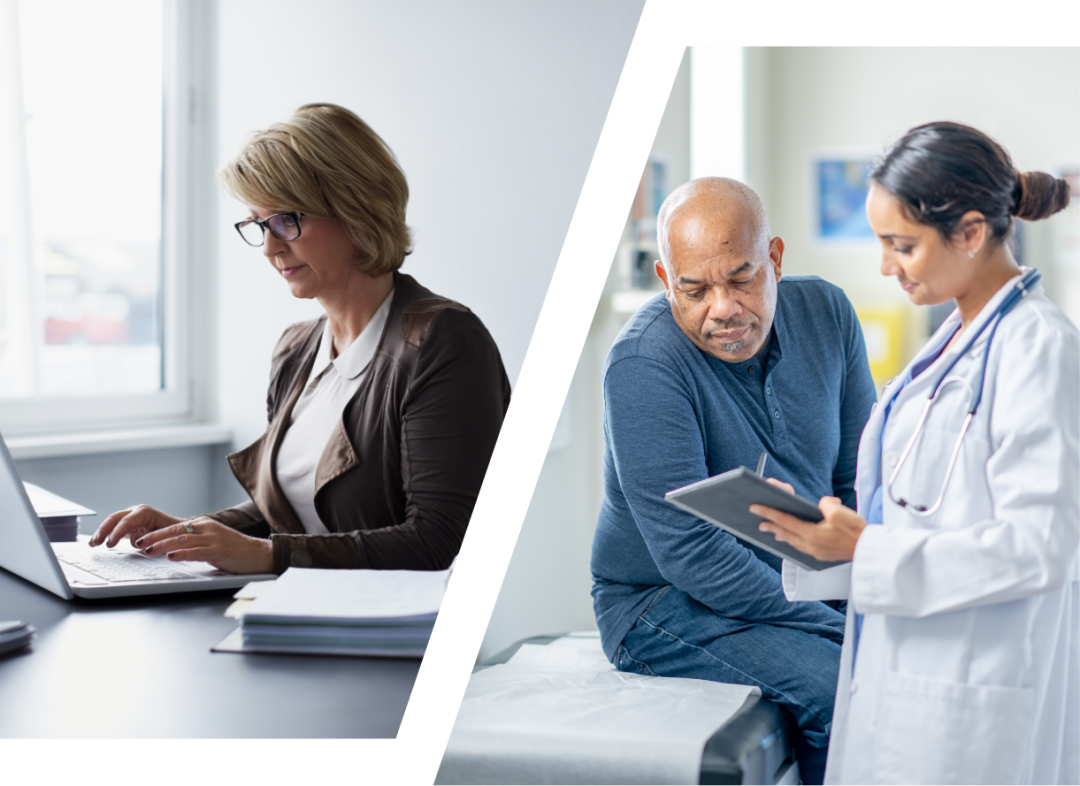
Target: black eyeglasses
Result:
[284, 226]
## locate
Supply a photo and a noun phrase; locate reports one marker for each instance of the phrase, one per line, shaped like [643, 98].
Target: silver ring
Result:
[189, 528]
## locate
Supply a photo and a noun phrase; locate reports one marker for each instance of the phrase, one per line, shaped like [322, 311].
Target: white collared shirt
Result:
[330, 386]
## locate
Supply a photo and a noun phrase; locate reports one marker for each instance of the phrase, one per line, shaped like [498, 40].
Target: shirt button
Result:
[854, 686]
[890, 459]
[776, 414]
[768, 391]
[751, 369]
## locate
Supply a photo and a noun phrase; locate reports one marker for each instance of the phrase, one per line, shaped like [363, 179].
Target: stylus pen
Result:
[761, 463]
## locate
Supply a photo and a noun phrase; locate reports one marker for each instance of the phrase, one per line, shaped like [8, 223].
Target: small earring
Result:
[971, 254]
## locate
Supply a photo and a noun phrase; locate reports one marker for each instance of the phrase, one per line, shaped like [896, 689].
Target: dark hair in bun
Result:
[1039, 195]
[940, 171]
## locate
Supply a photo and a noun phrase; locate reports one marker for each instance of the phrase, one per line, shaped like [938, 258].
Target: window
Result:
[97, 138]
[718, 112]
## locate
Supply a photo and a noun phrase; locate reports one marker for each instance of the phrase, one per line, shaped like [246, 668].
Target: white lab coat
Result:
[967, 667]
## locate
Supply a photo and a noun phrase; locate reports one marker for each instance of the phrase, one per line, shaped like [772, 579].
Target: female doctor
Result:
[960, 658]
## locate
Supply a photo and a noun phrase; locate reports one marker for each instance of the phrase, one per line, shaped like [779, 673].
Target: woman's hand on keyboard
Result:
[133, 523]
[156, 533]
[205, 540]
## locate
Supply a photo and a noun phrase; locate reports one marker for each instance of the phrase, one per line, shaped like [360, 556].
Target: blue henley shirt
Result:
[674, 415]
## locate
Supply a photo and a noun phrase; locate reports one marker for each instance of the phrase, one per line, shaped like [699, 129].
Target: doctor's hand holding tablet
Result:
[960, 653]
[832, 539]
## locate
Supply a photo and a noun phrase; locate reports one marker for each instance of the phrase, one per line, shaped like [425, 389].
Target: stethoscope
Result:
[1004, 307]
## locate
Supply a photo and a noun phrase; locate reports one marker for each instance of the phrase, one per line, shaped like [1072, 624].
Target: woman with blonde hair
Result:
[383, 413]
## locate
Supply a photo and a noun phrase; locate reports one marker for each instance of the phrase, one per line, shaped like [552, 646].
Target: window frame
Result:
[187, 255]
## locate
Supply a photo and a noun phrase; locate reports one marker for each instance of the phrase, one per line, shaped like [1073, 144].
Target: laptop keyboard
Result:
[120, 565]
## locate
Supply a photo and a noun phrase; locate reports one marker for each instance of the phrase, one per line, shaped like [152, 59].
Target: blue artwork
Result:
[842, 187]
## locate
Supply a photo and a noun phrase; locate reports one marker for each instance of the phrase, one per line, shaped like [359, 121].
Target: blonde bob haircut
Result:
[325, 161]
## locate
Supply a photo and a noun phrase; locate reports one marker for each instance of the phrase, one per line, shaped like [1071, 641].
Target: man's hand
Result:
[781, 485]
[831, 540]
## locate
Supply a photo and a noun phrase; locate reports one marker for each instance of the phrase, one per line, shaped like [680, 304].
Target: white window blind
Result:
[717, 112]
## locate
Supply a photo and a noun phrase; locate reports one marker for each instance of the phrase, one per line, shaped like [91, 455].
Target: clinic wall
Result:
[493, 110]
[798, 102]
[802, 101]
[548, 581]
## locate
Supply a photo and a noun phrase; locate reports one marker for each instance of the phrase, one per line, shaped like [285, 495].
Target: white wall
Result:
[493, 110]
[547, 584]
[184, 481]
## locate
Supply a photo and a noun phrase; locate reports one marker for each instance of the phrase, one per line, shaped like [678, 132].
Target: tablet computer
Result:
[725, 500]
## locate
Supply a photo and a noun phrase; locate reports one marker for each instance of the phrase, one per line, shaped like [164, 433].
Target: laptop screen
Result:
[24, 547]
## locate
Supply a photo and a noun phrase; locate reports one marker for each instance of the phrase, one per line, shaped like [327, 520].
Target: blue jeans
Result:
[795, 667]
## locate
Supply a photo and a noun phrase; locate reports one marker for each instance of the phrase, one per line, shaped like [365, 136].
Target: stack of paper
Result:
[59, 516]
[345, 612]
[14, 635]
[244, 598]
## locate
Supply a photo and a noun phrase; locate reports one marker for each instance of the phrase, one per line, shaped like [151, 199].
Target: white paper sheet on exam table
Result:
[561, 713]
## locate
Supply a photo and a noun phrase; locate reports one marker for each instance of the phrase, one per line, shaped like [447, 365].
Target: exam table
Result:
[753, 746]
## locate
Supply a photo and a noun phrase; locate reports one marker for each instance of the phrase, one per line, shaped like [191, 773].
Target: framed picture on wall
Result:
[840, 183]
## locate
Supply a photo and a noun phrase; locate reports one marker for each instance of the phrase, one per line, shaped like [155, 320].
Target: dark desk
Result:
[143, 668]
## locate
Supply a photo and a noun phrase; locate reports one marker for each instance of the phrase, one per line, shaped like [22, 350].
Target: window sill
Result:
[116, 441]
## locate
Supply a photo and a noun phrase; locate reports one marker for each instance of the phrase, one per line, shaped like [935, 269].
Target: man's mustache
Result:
[727, 324]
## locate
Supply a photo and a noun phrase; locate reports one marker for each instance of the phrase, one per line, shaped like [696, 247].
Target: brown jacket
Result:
[397, 482]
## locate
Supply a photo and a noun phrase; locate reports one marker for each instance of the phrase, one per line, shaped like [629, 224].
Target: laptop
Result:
[73, 569]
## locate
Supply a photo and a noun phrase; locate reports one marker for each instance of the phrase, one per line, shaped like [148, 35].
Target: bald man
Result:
[732, 360]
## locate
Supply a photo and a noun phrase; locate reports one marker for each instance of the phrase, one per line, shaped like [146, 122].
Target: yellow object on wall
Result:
[884, 330]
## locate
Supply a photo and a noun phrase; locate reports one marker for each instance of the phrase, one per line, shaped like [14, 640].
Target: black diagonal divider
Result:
[575, 289]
